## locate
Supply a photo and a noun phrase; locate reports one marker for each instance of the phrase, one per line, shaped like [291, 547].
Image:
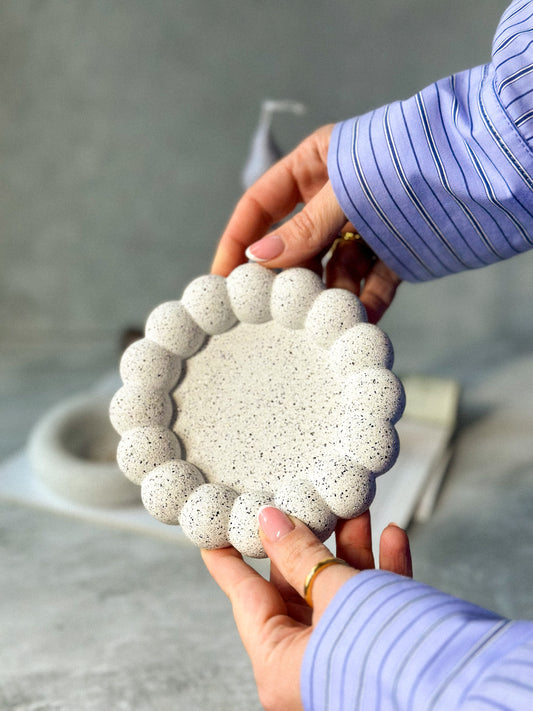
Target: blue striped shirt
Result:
[390, 643]
[436, 184]
[443, 181]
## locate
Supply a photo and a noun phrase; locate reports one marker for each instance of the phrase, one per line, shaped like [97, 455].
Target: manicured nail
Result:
[267, 248]
[274, 523]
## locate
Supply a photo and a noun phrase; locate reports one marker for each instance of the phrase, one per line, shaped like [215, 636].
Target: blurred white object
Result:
[72, 451]
[410, 491]
[263, 149]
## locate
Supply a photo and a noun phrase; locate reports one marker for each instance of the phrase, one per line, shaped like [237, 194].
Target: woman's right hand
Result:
[304, 239]
[273, 619]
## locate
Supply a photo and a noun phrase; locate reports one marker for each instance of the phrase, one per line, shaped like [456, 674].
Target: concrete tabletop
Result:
[95, 618]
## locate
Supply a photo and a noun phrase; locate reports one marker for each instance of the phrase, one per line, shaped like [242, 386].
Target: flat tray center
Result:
[257, 406]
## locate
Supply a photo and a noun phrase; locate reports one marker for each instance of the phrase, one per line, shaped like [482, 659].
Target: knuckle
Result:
[303, 229]
[253, 205]
[299, 557]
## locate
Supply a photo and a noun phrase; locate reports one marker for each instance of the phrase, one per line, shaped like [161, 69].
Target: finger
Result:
[349, 265]
[253, 599]
[295, 550]
[270, 199]
[354, 541]
[295, 178]
[305, 235]
[296, 607]
[285, 589]
[274, 642]
[395, 551]
[379, 290]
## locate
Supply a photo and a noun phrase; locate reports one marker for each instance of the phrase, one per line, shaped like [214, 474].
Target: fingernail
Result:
[267, 248]
[274, 523]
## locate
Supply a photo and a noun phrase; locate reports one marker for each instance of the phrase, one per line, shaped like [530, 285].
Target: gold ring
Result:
[345, 237]
[349, 236]
[315, 570]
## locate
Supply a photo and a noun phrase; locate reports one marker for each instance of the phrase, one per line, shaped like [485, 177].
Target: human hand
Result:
[303, 240]
[272, 618]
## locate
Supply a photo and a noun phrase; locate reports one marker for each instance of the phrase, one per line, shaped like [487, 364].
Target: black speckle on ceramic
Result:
[332, 313]
[250, 288]
[171, 326]
[362, 346]
[147, 365]
[286, 396]
[165, 489]
[373, 443]
[293, 294]
[375, 391]
[207, 301]
[243, 529]
[133, 407]
[145, 448]
[347, 487]
[299, 498]
[206, 514]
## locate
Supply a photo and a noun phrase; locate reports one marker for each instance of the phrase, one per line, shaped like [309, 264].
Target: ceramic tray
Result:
[257, 389]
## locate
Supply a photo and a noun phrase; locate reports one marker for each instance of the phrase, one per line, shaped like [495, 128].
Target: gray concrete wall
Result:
[124, 127]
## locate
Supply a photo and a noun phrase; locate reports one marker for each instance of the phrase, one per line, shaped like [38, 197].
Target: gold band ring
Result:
[350, 236]
[315, 570]
[344, 237]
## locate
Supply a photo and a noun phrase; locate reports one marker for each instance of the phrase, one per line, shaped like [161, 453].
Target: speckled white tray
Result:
[257, 389]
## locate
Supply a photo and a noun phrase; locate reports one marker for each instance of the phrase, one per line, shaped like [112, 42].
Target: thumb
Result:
[295, 550]
[309, 232]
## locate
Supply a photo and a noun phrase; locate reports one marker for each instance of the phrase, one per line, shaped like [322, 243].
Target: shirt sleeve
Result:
[388, 642]
[443, 181]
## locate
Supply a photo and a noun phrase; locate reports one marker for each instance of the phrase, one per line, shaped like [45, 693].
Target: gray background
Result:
[124, 126]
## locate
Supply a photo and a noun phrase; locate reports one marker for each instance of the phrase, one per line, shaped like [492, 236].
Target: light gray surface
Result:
[479, 542]
[97, 619]
[94, 618]
[125, 126]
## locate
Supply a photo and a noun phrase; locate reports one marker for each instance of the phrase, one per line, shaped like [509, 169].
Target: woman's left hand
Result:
[306, 237]
[273, 620]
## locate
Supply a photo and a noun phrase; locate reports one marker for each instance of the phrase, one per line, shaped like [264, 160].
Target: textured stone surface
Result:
[148, 365]
[141, 450]
[171, 326]
[207, 301]
[279, 378]
[346, 486]
[372, 442]
[300, 498]
[243, 532]
[257, 407]
[206, 514]
[333, 313]
[166, 488]
[250, 288]
[133, 407]
[293, 293]
[363, 346]
[375, 391]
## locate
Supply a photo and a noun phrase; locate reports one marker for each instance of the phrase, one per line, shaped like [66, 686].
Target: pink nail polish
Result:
[274, 523]
[267, 248]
